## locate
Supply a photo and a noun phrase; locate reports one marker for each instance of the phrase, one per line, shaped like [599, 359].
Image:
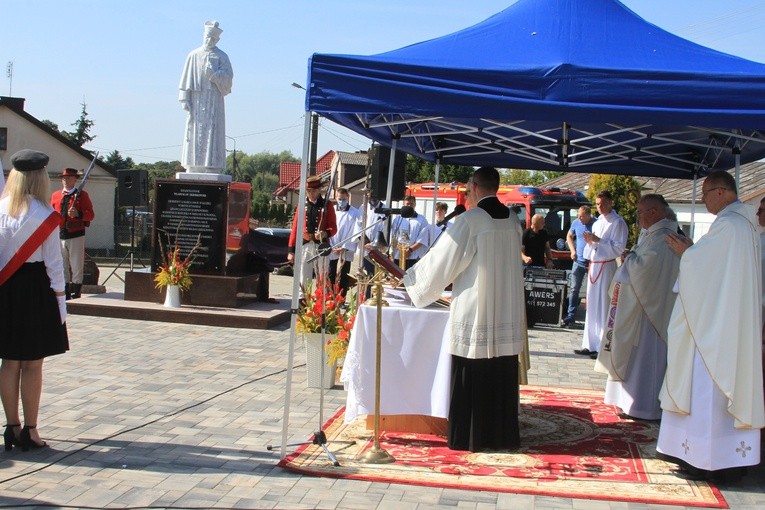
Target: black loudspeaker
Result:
[380, 157]
[132, 188]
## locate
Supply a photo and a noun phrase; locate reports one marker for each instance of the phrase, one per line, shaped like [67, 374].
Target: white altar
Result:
[415, 362]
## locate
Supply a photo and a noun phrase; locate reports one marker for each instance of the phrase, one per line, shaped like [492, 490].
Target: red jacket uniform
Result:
[73, 227]
[318, 218]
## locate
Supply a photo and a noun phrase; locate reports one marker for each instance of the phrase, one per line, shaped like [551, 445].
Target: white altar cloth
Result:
[415, 362]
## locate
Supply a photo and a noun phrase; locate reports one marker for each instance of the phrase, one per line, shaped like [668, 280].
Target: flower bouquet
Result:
[324, 304]
[174, 269]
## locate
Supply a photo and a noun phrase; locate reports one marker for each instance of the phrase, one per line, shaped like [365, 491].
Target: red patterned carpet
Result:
[572, 445]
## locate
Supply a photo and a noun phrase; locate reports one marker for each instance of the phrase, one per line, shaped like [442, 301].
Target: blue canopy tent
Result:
[572, 85]
[568, 85]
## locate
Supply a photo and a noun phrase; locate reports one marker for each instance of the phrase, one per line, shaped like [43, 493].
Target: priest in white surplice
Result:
[207, 77]
[712, 395]
[479, 254]
[634, 348]
[605, 243]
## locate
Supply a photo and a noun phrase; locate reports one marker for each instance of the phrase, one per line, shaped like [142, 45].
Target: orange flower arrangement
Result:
[174, 270]
[325, 304]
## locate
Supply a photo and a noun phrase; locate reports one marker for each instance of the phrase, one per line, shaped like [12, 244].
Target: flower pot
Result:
[316, 360]
[172, 296]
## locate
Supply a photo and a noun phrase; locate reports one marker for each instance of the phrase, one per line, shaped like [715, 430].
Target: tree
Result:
[527, 177]
[419, 170]
[159, 170]
[51, 125]
[251, 165]
[116, 160]
[81, 134]
[623, 188]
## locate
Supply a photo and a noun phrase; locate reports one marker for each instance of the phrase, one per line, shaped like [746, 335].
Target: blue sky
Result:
[124, 58]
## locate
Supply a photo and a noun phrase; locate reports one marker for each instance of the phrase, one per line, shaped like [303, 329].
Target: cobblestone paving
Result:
[155, 414]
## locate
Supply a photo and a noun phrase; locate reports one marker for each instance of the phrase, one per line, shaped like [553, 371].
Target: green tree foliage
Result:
[249, 166]
[82, 126]
[527, 177]
[115, 159]
[622, 188]
[159, 170]
[51, 125]
[418, 170]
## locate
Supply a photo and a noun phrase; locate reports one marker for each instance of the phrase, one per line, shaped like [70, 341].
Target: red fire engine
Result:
[558, 206]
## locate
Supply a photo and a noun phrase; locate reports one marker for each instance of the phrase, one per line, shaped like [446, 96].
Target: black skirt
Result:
[30, 323]
[483, 413]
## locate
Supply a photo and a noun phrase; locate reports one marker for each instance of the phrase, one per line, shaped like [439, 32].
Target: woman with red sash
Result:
[32, 303]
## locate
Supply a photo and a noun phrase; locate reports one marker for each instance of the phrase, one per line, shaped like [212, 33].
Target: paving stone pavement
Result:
[142, 414]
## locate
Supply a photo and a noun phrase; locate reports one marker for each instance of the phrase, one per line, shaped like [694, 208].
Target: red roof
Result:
[289, 172]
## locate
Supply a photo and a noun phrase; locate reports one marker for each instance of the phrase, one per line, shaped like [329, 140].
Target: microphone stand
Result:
[323, 250]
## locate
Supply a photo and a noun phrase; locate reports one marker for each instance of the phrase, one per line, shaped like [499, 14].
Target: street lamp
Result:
[314, 135]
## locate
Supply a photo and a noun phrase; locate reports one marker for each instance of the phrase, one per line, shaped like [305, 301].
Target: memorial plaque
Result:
[186, 211]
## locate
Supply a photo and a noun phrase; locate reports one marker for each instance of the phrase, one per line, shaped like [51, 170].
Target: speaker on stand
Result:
[132, 191]
[380, 157]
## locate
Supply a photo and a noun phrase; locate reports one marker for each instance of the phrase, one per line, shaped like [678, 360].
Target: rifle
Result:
[78, 189]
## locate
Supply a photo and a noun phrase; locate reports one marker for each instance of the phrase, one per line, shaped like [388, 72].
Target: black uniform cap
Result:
[27, 160]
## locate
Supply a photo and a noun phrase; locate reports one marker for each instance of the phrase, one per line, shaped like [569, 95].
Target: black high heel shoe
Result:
[25, 440]
[9, 436]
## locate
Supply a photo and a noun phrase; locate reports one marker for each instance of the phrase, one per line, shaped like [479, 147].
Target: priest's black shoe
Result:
[584, 352]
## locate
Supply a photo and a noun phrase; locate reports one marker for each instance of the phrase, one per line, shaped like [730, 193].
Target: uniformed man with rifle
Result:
[74, 205]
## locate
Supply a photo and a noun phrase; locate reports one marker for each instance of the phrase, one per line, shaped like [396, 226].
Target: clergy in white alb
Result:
[414, 232]
[344, 242]
[634, 348]
[605, 243]
[207, 77]
[712, 395]
[479, 255]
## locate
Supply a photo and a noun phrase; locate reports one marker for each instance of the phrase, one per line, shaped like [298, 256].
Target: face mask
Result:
[342, 203]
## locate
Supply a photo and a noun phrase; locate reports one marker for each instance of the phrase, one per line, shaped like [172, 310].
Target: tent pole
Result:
[738, 168]
[693, 205]
[391, 166]
[435, 191]
[298, 263]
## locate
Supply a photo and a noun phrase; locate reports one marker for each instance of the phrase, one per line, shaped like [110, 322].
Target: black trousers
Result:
[344, 270]
[483, 413]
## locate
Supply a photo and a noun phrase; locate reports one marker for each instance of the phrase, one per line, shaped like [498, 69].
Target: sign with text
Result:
[190, 213]
[546, 294]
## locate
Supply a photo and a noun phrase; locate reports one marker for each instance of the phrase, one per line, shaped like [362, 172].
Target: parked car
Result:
[262, 249]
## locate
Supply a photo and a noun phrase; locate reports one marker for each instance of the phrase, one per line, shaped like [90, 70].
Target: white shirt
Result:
[347, 226]
[417, 230]
[50, 250]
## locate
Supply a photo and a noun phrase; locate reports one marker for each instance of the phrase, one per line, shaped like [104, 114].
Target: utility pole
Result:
[314, 143]
[9, 74]
[234, 162]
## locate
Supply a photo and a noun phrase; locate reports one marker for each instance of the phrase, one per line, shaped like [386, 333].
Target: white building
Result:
[20, 130]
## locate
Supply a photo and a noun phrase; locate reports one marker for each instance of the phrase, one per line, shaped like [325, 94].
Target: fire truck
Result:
[558, 206]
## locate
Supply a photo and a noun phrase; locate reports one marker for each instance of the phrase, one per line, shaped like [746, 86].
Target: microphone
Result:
[456, 212]
[405, 211]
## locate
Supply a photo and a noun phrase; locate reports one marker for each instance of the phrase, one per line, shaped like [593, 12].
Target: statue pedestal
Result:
[198, 176]
[206, 290]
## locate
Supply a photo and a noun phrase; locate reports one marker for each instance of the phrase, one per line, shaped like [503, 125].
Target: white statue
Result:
[206, 78]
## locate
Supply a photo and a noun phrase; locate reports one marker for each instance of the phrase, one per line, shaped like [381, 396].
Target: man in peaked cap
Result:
[77, 210]
[320, 225]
